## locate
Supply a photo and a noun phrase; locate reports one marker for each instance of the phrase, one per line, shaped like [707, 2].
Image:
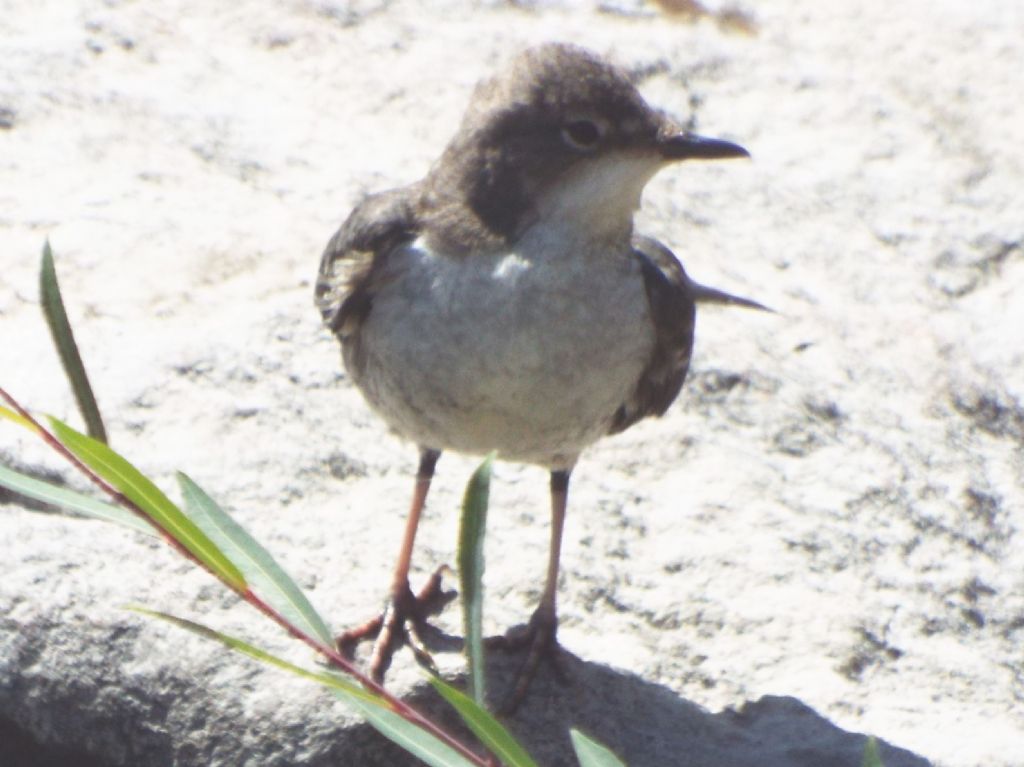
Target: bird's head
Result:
[562, 136]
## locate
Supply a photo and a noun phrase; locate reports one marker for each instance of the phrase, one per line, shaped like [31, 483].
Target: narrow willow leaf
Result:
[412, 738]
[871, 756]
[150, 499]
[20, 420]
[471, 572]
[591, 753]
[64, 340]
[262, 572]
[68, 499]
[378, 713]
[326, 678]
[489, 730]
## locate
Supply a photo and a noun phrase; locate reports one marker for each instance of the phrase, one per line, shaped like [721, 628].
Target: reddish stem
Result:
[118, 497]
[400, 707]
[57, 445]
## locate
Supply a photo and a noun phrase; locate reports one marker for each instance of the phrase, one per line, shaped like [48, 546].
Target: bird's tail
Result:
[702, 294]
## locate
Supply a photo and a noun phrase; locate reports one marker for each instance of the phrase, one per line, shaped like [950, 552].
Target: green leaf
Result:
[20, 420]
[326, 678]
[377, 711]
[591, 753]
[150, 499]
[68, 499]
[414, 739]
[64, 340]
[871, 757]
[489, 730]
[471, 571]
[262, 572]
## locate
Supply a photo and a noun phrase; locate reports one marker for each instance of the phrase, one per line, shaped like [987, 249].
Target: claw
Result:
[540, 639]
[404, 621]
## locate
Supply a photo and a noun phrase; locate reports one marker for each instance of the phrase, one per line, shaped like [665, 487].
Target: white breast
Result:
[527, 353]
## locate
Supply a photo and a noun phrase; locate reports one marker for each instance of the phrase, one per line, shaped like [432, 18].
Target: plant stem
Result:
[55, 443]
[400, 707]
[116, 495]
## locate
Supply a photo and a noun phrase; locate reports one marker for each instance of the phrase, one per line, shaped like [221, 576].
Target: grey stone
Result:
[821, 540]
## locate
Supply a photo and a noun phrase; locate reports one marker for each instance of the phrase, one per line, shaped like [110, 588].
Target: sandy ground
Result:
[832, 510]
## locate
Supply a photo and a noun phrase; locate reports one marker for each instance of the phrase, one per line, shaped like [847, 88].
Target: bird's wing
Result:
[672, 298]
[353, 262]
[673, 312]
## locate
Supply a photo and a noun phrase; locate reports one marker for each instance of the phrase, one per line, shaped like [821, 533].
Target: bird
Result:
[504, 304]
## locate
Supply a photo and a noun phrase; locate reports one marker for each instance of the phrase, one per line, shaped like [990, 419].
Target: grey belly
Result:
[530, 364]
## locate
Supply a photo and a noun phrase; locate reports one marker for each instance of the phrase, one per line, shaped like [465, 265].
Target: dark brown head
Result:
[561, 134]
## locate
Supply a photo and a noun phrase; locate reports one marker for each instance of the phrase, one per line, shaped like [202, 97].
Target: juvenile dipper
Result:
[505, 303]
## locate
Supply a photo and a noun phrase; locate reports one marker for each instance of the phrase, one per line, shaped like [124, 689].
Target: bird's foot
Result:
[404, 621]
[540, 639]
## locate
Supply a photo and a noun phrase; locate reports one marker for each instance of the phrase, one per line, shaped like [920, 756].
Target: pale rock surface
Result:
[821, 540]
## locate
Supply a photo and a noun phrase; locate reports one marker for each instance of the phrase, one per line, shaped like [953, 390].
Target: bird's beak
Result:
[687, 146]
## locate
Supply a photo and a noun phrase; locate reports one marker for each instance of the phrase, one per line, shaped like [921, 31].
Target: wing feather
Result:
[672, 299]
[673, 313]
[353, 262]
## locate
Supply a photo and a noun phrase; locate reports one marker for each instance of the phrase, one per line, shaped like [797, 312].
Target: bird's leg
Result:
[540, 637]
[404, 620]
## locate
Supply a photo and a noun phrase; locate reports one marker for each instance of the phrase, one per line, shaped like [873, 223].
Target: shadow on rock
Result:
[648, 725]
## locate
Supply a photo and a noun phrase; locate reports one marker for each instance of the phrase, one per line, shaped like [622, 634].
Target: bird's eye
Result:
[581, 134]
